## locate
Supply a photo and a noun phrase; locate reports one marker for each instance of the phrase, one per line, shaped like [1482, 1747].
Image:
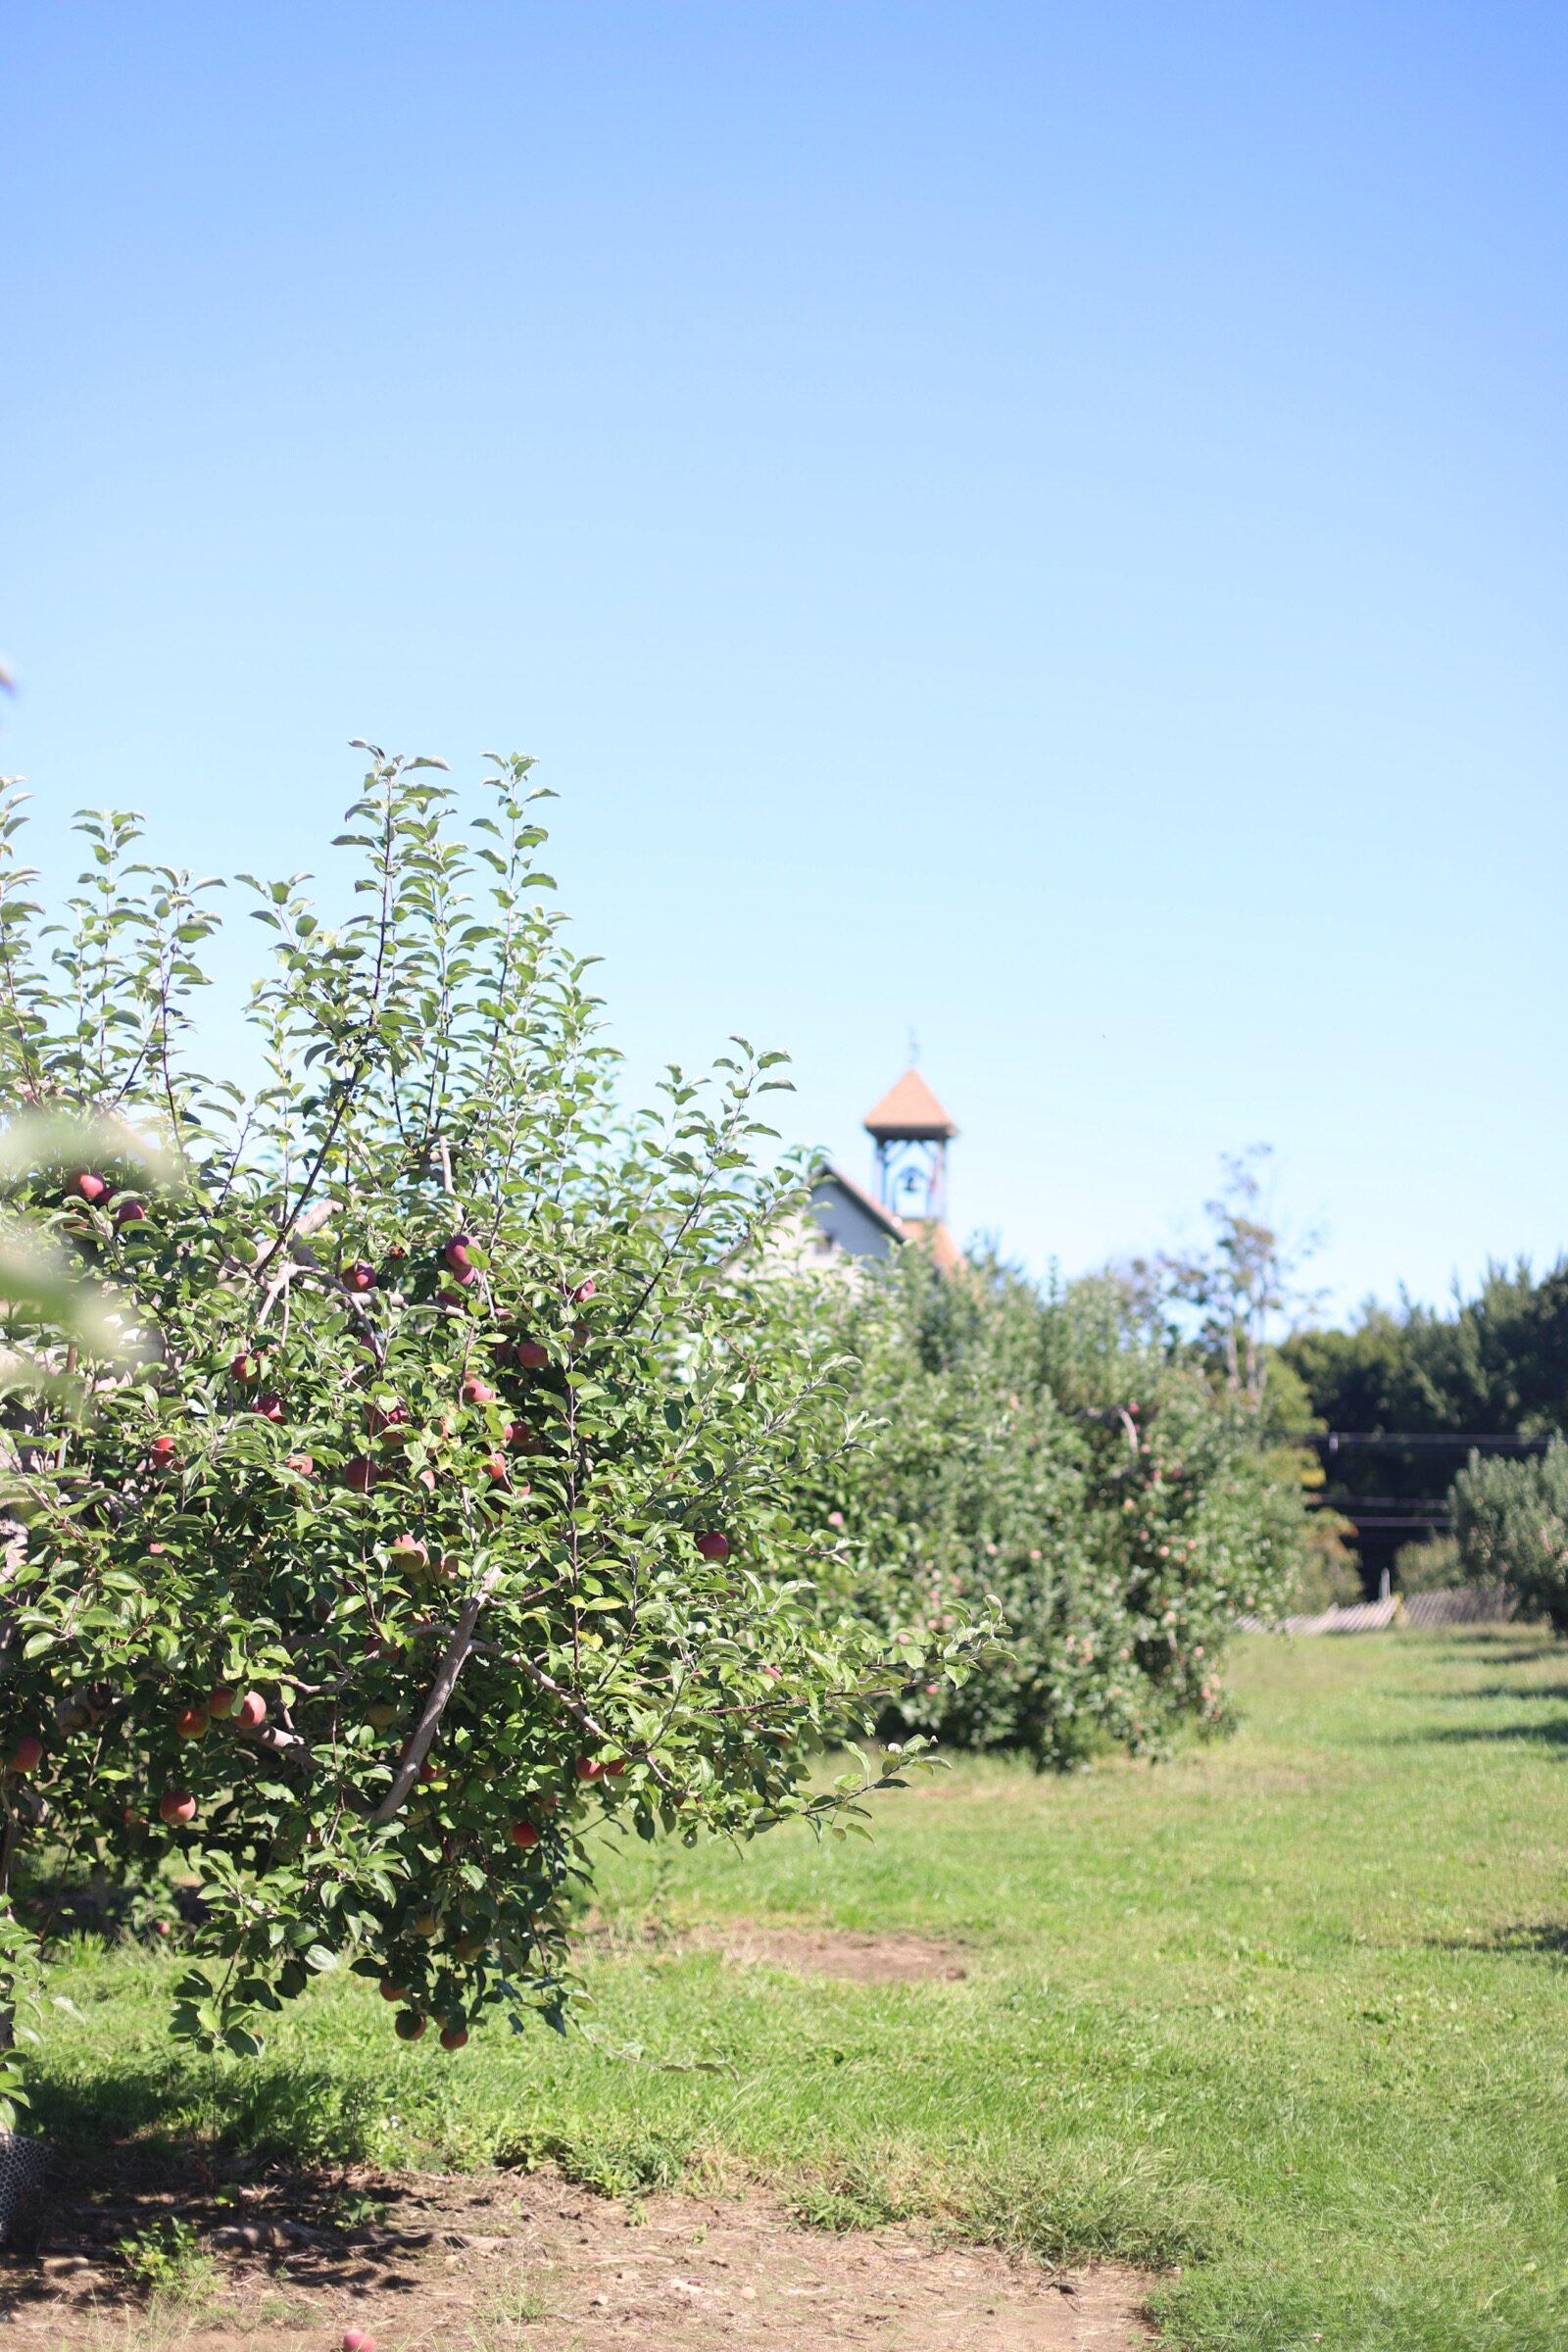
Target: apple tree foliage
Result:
[1047, 1454]
[413, 1484]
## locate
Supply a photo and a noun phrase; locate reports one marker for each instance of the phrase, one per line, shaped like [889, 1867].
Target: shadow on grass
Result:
[155, 2115]
[1556, 1692]
[1488, 1650]
[1487, 1735]
[145, 2159]
[1544, 1938]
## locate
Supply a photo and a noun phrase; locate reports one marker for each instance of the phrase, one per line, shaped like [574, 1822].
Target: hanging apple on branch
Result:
[439, 1499]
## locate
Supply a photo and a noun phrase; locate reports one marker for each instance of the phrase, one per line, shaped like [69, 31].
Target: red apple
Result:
[531, 1354]
[524, 1834]
[589, 1768]
[244, 1367]
[220, 1702]
[354, 2339]
[130, 1212]
[409, 2025]
[358, 1276]
[616, 1766]
[91, 1187]
[360, 1475]
[191, 1722]
[477, 1392]
[28, 1754]
[304, 1463]
[713, 1546]
[251, 1712]
[270, 1406]
[584, 1293]
[164, 1451]
[393, 1992]
[456, 1256]
[495, 1468]
[380, 1416]
[408, 1551]
[454, 2038]
[176, 1805]
[429, 1769]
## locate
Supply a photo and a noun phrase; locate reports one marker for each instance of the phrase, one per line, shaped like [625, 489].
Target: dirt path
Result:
[509, 2263]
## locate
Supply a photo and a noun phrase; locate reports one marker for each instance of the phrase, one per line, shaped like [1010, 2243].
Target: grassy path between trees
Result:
[1290, 2013]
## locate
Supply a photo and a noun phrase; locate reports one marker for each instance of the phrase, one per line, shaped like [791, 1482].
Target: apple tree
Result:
[1041, 1456]
[416, 1484]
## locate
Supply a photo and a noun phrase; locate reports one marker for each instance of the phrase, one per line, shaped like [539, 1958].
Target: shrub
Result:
[413, 1496]
[1430, 1566]
[1510, 1519]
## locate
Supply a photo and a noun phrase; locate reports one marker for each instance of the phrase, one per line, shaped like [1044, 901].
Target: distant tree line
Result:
[1424, 1386]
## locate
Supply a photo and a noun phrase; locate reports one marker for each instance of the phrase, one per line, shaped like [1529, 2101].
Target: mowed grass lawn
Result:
[1290, 2013]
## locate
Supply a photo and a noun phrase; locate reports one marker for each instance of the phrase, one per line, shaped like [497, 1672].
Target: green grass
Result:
[1290, 2013]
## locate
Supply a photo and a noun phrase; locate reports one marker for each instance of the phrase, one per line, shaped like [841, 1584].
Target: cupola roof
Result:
[910, 1112]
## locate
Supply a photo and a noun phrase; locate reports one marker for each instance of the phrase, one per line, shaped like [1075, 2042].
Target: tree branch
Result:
[435, 1706]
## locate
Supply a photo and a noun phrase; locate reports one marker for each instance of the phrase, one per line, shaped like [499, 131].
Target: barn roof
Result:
[893, 1226]
[910, 1112]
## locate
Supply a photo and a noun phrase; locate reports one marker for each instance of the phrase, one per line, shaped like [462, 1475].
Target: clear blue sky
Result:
[1043, 525]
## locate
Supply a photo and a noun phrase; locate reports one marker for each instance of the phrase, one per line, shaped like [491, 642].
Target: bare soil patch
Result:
[863, 1959]
[508, 2263]
[859, 1958]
